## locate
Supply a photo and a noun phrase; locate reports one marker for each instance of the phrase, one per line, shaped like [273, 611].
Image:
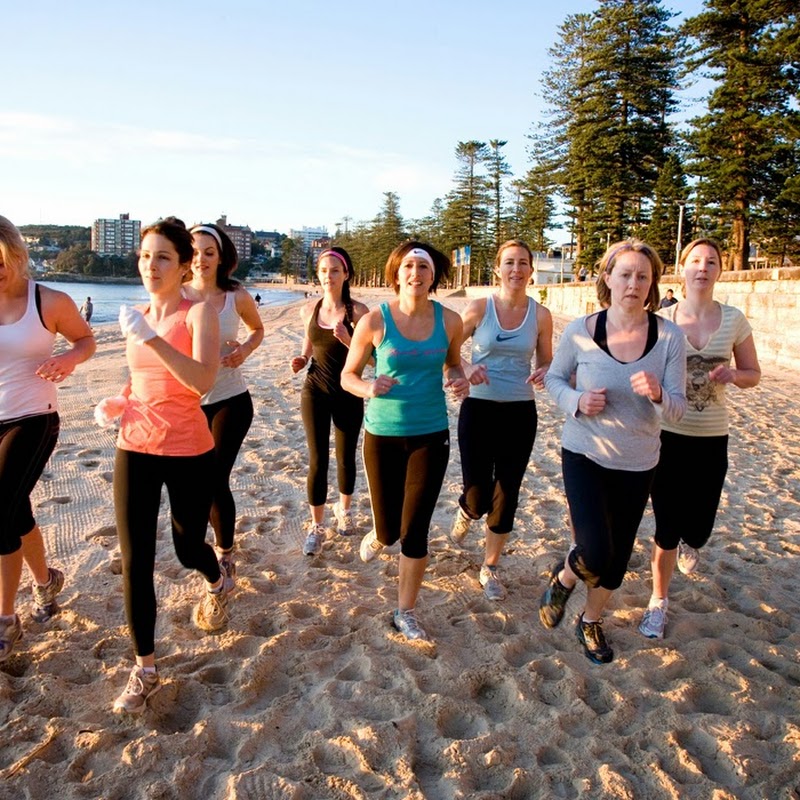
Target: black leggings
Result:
[138, 478]
[346, 411]
[405, 475]
[229, 421]
[606, 507]
[495, 441]
[25, 446]
[687, 488]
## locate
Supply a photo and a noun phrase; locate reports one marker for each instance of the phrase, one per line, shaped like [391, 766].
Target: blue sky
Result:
[278, 115]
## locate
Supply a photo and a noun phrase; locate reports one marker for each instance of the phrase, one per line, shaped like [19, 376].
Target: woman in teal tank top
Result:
[407, 442]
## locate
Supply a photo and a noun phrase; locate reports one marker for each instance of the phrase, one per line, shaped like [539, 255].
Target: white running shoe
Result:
[141, 686]
[407, 624]
[344, 519]
[370, 546]
[490, 580]
[461, 525]
[688, 558]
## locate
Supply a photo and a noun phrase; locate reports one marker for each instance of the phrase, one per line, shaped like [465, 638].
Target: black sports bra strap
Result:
[38, 298]
[601, 336]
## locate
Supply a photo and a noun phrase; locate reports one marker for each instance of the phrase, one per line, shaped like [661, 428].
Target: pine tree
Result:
[749, 47]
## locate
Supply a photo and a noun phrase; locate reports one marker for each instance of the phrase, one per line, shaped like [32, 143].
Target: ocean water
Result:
[108, 297]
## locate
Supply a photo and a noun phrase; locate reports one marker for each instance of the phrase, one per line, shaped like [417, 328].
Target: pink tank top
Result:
[163, 417]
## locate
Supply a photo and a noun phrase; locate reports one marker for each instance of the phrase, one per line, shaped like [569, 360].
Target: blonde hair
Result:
[12, 248]
[606, 265]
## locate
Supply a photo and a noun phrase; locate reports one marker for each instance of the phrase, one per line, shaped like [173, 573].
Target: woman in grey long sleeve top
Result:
[629, 369]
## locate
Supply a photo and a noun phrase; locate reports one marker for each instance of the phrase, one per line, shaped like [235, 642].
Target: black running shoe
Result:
[595, 646]
[554, 600]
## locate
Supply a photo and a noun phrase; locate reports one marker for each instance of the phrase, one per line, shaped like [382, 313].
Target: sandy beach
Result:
[310, 694]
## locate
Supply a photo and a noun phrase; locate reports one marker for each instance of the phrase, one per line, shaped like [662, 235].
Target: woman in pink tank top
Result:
[164, 440]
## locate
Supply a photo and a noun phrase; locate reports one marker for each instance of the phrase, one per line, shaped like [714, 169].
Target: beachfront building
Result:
[240, 235]
[116, 237]
[308, 235]
[317, 246]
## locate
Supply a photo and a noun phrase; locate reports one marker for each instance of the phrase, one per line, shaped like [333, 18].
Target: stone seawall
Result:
[770, 298]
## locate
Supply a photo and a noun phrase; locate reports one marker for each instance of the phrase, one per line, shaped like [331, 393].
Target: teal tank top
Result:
[416, 404]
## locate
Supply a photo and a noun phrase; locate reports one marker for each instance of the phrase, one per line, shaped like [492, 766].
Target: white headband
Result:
[209, 230]
[418, 252]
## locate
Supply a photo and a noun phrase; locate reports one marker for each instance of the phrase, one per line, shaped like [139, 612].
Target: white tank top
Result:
[24, 345]
[230, 380]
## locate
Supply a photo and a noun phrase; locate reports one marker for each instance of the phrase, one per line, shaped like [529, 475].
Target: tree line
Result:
[612, 155]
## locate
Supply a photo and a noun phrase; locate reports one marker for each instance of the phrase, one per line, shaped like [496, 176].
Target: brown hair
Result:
[512, 243]
[173, 229]
[441, 264]
[609, 259]
[12, 248]
[228, 257]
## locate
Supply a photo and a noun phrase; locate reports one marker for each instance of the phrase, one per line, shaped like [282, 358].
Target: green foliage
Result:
[62, 236]
[744, 148]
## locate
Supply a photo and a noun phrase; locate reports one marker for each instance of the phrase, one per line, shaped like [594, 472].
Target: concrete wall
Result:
[770, 298]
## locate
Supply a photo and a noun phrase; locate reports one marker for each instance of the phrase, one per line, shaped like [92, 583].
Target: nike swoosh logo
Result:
[501, 338]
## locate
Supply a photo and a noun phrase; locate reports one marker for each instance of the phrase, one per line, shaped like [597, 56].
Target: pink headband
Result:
[335, 255]
[209, 230]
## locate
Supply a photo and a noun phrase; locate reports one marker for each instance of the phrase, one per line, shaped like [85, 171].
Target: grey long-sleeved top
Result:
[626, 434]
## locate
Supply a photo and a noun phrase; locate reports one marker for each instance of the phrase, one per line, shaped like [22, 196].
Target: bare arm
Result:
[61, 316]
[248, 312]
[471, 317]
[455, 379]
[747, 372]
[198, 371]
[298, 362]
[544, 346]
[366, 337]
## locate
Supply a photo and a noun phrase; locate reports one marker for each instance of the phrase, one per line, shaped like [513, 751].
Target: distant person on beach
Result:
[87, 309]
[228, 406]
[173, 354]
[616, 374]
[497, 422]
[30, 318]
[329, 324]
[694, 450]
[414, 340]
[668, 300]
[257, 298]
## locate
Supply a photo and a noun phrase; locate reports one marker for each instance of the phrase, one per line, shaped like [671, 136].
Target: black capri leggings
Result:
[495, 441]
[346, 411]
[687, 488]
[138, 478]
[405, 475]
[606, 507]
[25, 446]
[229, 421]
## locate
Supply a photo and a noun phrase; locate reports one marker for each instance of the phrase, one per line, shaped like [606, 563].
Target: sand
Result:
[310, 693]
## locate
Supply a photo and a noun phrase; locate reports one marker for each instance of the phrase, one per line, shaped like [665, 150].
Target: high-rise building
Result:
[308, 235]
[116, 237]
[241, 236]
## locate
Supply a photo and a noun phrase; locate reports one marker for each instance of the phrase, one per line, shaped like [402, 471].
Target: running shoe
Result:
[141, 685]
[211, 613]
[492, 588]
[654, 620]
[460, 528]
[344, 520]
[370, 546]
[44, 597]
[10, 634]
[228, 566]
[313, 542]
[407, 624]
[595, 646]
[554, 600]
[688, 558]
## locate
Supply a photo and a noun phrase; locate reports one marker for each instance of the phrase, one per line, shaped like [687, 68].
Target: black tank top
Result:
[601, 338]
[328, 356]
